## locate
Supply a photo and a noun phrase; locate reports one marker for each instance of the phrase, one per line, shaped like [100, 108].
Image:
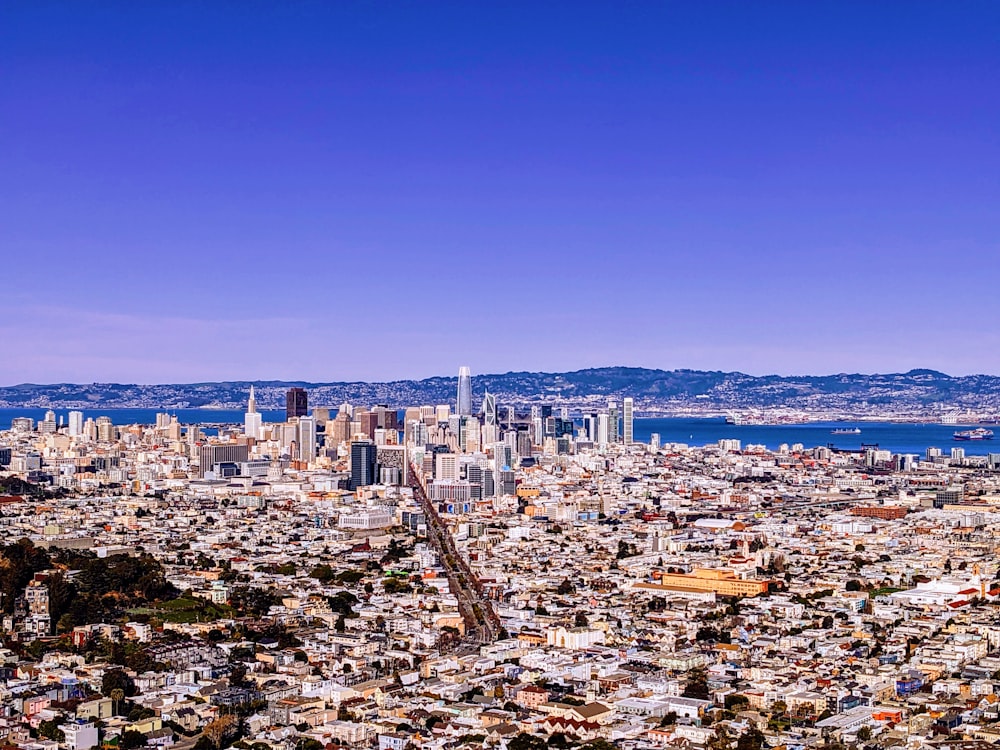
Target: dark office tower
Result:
[388, 419]
[369, 423]
[363, 464]
[296, 403]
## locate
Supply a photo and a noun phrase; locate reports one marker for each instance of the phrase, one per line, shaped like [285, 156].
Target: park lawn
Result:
[185, 610]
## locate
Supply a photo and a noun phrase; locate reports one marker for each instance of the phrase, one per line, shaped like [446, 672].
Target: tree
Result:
[697, 685]
[865, 733]
[50, 730]
[751, 739]
[117, 679]
[720, 740]
[580, 620]
[116, 696]
[219, 729]
[131, 740]
[342, 603]
[525, 741]
[707, 634]
[565, 587]
[853, 585]
[323, 573]
[735, 702]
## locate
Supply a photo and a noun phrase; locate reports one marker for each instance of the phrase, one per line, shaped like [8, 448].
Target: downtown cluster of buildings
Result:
[451, 576]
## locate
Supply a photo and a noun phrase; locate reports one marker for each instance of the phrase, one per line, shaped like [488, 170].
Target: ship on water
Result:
[980, 433]
[766, 418]
[846, 431]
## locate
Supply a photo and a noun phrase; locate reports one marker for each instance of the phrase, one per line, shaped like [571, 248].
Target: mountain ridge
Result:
[653, 389]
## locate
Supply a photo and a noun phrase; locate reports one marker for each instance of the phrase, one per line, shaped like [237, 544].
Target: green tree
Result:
[117, 679]
[697, 684]
[751, 739]
[323, 573]
[50, 730]
[525, 741]
[18, 564]
[131, 740]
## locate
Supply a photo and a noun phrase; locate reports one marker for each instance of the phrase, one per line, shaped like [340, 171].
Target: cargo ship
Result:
[980, 433]
[846, 431]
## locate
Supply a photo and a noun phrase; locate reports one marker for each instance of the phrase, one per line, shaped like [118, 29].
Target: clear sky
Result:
[376, 190]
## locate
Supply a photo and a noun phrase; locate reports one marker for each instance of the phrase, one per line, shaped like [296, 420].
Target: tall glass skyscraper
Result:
[464, 401]
[489, 409]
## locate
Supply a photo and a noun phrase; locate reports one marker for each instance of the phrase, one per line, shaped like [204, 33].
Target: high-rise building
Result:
[603, 428]
[338, 430]
[296, 403]
[307, 438]
[489, 409]
[209, 456]
[612, 422]
[48, 425]
[364, 455]
[369, 423]
[627, 408]
[463, 403]
[252, 419]
[75, 423]
[106, 431]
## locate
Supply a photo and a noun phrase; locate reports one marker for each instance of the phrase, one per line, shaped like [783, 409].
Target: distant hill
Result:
[653, 390]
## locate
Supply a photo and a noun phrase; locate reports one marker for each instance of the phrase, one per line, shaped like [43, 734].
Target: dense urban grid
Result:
[481, 573]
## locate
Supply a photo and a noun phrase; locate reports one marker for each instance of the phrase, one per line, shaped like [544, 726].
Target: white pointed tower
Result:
[252, 419]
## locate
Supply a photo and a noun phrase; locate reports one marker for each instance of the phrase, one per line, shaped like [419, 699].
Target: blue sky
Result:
[326, 191]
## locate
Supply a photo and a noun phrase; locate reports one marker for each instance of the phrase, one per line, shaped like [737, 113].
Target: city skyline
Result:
[782, 188]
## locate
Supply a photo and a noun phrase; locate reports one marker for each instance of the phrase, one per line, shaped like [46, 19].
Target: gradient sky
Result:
[368, 190]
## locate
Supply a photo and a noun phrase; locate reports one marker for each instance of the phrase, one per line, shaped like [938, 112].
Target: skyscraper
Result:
[363, 463]
[612, 422]
[252, 419]
[627, 405]
[464, 401]
[75, 423]
[296, 403]
[603, 428]
[307, 438]
[489, 409]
